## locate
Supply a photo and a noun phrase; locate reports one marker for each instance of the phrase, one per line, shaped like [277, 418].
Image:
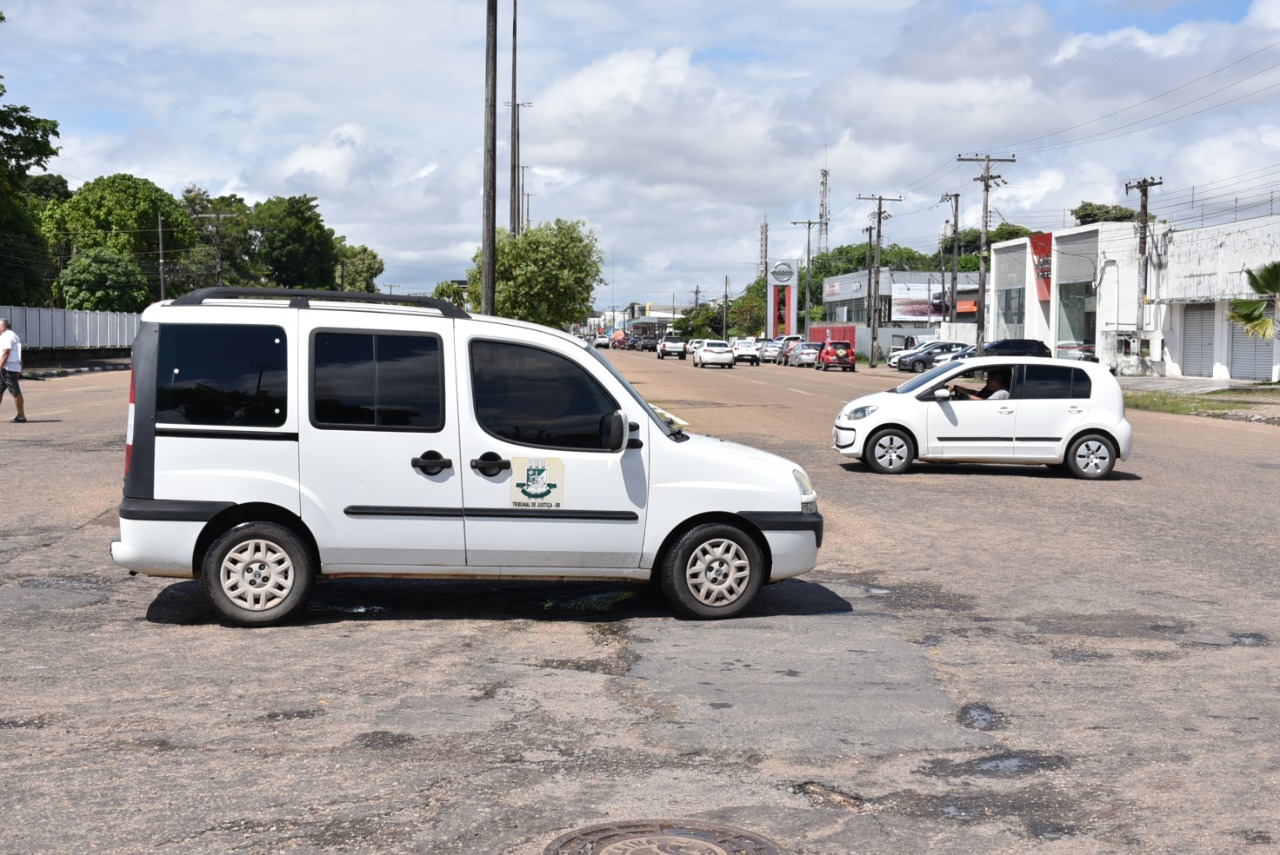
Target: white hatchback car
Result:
[713, 352]
[1030, 410]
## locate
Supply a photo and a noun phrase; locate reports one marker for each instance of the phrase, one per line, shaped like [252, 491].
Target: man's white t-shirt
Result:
[9, 341]
[998, 395]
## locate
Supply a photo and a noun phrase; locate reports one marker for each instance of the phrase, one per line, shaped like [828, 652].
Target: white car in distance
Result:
[713, 352]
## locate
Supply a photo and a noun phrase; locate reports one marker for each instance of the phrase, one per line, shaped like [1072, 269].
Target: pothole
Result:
[1008, 764]
[981, 717]
[655, 836]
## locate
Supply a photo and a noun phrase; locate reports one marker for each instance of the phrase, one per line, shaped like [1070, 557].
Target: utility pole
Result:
[808, 268]
[488, 252]
[954, 199]
[724, 323]
[873, 285]
[1142, 187]
[514, 104]
[824, 215]
[160, 229]
[217, 236]
[986, 178]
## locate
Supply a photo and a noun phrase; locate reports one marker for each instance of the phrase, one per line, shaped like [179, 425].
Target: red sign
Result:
[1042, 258]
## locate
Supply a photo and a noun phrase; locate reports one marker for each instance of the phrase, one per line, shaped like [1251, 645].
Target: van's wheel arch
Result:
[713, 570]
[257, 573]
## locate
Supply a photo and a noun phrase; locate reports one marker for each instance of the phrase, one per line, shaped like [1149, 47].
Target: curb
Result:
[47, 374]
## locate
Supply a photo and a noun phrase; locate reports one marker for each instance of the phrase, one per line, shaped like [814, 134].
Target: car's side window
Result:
[1081, 385]
[377, 381]
[222, 375]
[535, 397]
[1050, 381]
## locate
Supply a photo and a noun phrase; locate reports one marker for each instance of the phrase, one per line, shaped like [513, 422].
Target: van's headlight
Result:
[808, 495]
[855, 413]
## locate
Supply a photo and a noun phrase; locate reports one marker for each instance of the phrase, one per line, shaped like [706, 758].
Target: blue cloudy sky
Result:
[674, 129]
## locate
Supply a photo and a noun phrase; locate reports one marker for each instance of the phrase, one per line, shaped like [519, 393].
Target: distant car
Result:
[1016, 347]
[649, 342]
[672, 345]
[746, 350]
[602, 340]
[923, 357]
[837, 354]
[713, 352]
[696, 344]
[1085, 350]
[901, 359]
[789, 344]
[967, 353]
[805, 354]
[769, 351]
[1069, 415]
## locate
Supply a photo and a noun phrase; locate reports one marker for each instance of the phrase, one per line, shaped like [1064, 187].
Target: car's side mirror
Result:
[613, 428]
[942, 394]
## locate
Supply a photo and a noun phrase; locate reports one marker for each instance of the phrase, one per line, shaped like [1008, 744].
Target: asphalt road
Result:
[988, 659]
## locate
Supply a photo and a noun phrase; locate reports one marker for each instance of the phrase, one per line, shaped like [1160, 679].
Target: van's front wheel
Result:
[714, 571]
[257, 574]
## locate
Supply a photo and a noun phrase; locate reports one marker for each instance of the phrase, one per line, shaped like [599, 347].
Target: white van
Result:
[277, 435]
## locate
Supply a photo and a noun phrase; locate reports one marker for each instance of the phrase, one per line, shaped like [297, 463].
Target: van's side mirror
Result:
[613, 429]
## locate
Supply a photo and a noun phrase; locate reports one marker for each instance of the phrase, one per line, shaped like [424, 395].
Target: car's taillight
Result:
[128, 438]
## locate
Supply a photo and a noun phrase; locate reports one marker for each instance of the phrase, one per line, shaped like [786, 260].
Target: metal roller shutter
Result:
[1251, 358]
[1197, 340]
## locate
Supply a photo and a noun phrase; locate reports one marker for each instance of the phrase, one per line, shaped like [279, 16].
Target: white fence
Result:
[50, 328]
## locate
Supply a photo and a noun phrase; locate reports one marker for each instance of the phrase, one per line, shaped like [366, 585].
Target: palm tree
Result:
[1252, 314]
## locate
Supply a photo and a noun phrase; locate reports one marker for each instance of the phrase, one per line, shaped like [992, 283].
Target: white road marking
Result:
[801, 391]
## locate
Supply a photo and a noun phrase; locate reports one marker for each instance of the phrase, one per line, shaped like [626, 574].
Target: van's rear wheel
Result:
[714, 571]
[257, 574]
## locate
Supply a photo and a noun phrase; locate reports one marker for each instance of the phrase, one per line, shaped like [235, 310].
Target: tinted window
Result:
[1054, 381]
[377, 381]
[534, 397]
[221, 375]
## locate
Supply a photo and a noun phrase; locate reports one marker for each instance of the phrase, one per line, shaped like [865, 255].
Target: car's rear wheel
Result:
[1091, 456]
[257, 574]
[917, 366]
[889, 451]
[714, 571]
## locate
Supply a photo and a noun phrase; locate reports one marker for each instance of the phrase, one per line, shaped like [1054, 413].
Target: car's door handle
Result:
[431, 463]
[1075, 411]
[490, 463]
[1005, 411]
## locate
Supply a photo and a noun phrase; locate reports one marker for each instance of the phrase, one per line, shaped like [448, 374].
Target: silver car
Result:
[805, 354]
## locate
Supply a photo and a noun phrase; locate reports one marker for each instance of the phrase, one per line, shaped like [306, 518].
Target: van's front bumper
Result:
[794, 539]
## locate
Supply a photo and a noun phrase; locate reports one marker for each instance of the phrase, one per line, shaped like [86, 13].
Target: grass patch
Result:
[1171, 402]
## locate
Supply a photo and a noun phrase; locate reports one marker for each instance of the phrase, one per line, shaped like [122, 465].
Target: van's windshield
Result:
[666, 429]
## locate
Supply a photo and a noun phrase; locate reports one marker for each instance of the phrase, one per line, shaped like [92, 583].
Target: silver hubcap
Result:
[891, 452]
[718, 572]
[1093, 456]
[257, 575]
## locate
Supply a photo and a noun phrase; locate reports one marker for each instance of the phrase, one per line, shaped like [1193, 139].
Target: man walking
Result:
[11, 367]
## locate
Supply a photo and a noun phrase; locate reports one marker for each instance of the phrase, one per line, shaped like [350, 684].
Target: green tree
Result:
[224, 249]
[102, 279]
[453, 291]
[747, 311]
[358, 267]
[122, 213]
[1252, 314]
[292, 244]
[546, 275]
[1096, 212]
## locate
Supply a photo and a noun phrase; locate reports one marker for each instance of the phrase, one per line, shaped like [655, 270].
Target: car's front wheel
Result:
[917, 366]
[1091, 456]
[714, 571]
[257, 574]
[890, 451]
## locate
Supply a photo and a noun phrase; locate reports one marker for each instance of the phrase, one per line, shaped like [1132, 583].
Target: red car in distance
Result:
[836, 354]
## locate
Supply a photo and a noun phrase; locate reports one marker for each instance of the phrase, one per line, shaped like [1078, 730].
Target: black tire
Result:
[715, 571]
[917, 367]
[1091, 457]
[889, 451]
[257, 574]
[682, 357]
[826, 366]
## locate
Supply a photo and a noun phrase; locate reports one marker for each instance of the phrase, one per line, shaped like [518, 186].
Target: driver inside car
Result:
[997, 388]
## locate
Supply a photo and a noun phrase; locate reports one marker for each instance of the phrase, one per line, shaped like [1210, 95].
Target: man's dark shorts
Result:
[11, 379]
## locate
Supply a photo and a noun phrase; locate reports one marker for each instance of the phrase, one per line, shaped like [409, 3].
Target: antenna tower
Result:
[824, 216]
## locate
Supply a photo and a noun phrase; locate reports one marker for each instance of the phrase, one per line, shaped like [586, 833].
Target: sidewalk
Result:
[1262, 402]
[65, 370]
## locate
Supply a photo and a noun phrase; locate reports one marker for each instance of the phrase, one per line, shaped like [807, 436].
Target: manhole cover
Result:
[653, 837]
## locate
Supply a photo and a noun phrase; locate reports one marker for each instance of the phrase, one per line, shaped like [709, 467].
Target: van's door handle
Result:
[431, 463]
[490, 463]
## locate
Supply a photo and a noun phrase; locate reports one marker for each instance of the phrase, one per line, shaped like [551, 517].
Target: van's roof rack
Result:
[301, 299]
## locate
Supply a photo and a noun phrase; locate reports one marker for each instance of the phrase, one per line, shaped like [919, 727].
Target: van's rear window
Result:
[221, 375]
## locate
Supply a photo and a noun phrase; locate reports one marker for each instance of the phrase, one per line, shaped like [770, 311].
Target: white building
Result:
[1080, 291]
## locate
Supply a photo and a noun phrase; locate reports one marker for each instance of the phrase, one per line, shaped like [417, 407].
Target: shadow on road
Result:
[1033, 470]
[335, 600]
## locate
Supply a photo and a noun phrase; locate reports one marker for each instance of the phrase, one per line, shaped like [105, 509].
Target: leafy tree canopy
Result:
[101, 279]
[358, 267]
[292, 243]
[1095, 212]
[547, 275]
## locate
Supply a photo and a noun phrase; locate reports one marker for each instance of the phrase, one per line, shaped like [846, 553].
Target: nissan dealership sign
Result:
[781, 273]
